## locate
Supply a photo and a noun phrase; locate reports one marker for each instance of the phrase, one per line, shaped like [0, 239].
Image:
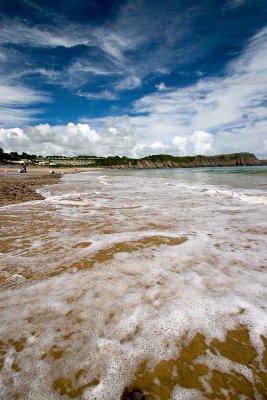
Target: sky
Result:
[133, 78]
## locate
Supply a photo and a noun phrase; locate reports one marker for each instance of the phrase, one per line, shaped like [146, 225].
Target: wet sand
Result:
[18, 188]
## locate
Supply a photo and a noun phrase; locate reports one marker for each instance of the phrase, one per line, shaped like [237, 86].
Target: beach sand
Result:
[18, 188]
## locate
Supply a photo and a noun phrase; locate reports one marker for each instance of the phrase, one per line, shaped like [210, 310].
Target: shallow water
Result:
[153, 281]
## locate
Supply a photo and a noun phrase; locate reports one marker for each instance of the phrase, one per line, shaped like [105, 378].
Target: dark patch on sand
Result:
[20, 188]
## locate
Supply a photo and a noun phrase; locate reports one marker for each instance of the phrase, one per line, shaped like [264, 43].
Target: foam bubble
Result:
[186, 394]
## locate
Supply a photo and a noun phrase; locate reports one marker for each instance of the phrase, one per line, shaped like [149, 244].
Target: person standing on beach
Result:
[22, 169]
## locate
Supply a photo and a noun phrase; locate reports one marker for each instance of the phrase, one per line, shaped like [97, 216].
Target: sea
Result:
[142, 284]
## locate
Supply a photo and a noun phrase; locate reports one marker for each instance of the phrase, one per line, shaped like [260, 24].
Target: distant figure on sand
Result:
[51, 171]
[22, 169]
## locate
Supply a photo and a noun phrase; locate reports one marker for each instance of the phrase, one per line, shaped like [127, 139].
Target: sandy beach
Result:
[18, 188]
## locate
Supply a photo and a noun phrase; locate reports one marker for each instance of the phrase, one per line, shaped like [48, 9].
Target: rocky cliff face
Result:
[226, 160]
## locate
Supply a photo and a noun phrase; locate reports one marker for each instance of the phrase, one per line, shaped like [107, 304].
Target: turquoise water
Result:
[232, 177]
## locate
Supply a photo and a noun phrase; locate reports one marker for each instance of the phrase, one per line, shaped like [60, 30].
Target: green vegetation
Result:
[112, 161]
[167, 158]
[13, 156]
[169, 161]
[152, 161]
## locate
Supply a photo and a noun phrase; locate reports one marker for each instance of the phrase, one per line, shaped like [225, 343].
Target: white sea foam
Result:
[186, 394]
[104, 180]
[139, 304]
[251, 198]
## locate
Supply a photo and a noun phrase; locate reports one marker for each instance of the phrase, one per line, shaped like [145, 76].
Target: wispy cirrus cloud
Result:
[114, 48]
[104, 95]
[19, 96]
[115, 44]
[233, 103]
[19, 33]
[103, 53]
[232, 4]
[17, 116]
[19, 104]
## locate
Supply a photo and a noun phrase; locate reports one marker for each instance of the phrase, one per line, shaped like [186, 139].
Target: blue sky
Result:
[133, 77]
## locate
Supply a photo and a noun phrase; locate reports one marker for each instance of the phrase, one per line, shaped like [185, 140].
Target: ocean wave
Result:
[250, 198]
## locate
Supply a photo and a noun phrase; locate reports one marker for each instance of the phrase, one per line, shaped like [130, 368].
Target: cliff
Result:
[168, 161]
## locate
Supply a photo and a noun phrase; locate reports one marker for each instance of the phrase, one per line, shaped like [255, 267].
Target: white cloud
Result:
[46, 139]
[14, 32]
[115, 44]
[161, 86]
[104, 95]
[198, 143]
[16, 104]
[21, 116]
[234, 103]
[84, 66]
[19, 103]
[110, 44]
[180, 143]
[178, 121]
[112, 49]
[232, 4]
[142, 150]
[117, 137]
[158, 146]
[202, 142]
[48, 74]
[20, 96]
[128, 83]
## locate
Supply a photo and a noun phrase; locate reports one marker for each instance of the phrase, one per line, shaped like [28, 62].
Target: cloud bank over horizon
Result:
[118, 137]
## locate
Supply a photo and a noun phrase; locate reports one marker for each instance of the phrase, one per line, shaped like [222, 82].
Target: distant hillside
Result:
[168, 161]
[154, 161]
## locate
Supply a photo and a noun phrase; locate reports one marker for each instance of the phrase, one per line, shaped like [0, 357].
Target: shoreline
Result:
[16, 188]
